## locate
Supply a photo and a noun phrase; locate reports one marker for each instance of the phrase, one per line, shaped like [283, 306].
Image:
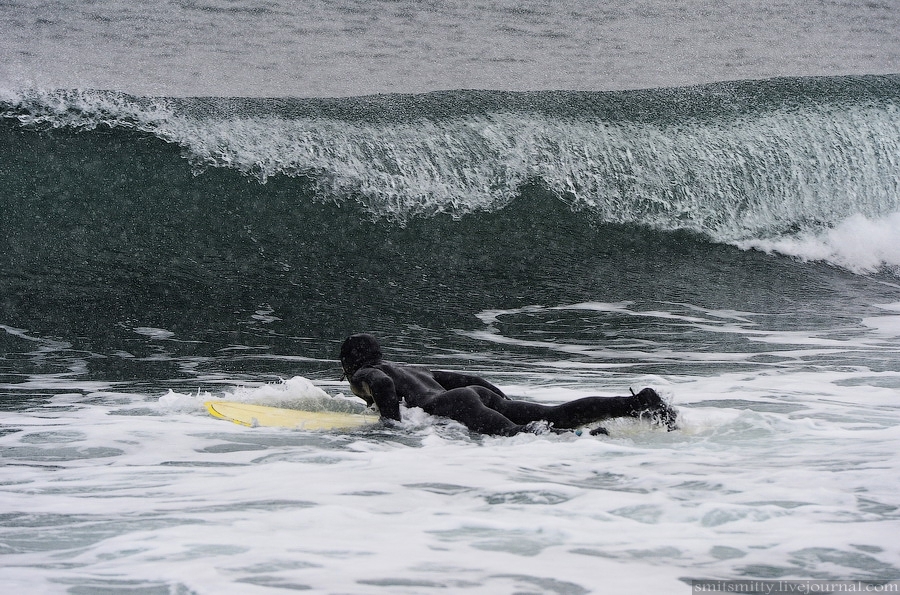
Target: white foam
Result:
[297, 392]
[174, 401]
[887, 324]
[183, 499]
[784, 470]
[858, 243]
[154, 333]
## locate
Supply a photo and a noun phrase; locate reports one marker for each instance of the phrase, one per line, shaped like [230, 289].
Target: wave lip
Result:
[85, 109]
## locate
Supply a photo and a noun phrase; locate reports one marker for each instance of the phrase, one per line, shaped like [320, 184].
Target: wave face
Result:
[123, 207]
[735, 161]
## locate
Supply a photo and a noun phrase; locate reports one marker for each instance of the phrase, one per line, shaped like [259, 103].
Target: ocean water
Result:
[202, 199]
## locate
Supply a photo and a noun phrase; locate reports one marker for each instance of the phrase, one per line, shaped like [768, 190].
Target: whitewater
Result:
[201, 200]
[784, 472]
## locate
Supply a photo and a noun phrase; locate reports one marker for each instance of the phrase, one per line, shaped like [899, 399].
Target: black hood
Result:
[359, 350]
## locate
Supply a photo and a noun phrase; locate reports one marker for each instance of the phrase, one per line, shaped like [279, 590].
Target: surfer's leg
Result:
[585, 410]
[465, 406]
[646, 403]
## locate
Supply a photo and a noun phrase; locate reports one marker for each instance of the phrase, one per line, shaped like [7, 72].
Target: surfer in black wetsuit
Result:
[474, 402]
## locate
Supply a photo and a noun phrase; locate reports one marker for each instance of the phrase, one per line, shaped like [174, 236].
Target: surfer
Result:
[475, 402]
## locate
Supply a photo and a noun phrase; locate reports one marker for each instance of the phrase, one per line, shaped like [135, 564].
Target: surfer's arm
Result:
[451, 380]
[379, 386]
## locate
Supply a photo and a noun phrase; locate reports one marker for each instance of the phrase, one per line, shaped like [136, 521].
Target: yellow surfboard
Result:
[246, 414]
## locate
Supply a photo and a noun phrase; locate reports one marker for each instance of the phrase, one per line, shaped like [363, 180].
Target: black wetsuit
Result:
[472, 401]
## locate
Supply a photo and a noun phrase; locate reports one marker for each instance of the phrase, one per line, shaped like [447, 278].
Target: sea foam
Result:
[858, 243]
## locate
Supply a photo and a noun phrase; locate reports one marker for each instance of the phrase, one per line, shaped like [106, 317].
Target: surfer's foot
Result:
[651, 405]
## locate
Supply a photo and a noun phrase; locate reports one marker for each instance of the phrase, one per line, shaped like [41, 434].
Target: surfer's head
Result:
[358, 351]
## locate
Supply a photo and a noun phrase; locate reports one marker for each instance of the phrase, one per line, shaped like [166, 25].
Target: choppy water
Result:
[733, 244]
